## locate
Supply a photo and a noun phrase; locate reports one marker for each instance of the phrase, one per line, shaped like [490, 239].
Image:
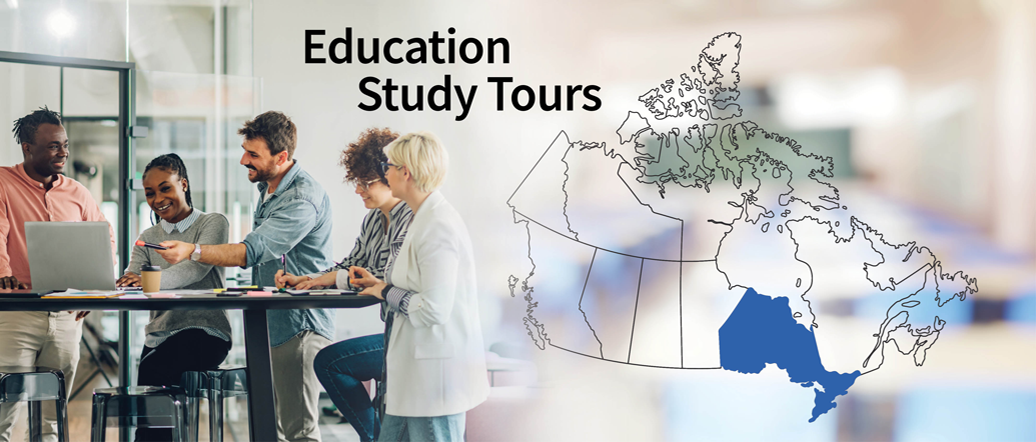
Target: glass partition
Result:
[192, 36]
[88, 101]
[197, 117]
[69, 28]
[90, 110]
[23, 89]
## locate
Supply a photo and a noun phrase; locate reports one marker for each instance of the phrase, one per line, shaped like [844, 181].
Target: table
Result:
[262, 419]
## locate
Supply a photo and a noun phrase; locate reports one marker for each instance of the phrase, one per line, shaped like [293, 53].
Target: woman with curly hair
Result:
[344, 366]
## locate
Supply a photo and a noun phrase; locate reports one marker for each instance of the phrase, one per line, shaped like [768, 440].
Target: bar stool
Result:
[141, 406]
[32, 385]
[214, 385]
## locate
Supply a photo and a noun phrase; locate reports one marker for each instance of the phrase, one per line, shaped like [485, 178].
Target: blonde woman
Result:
[436, 369]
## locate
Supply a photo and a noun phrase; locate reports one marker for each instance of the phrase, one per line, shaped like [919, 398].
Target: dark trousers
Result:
[188, 350]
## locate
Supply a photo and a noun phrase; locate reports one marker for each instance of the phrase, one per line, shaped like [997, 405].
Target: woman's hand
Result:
[325, 280]
[288, 280]
[130, 279]
[365, 280]
[374, 290]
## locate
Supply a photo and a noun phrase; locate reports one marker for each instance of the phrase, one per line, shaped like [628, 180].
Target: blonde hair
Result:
[423, 154]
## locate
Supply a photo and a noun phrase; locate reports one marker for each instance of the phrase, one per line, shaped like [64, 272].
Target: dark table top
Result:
[190, 302]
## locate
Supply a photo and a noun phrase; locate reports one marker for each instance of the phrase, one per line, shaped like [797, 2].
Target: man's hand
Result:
[288, 280]
[176, 251]
[327, 279]
[366, 279]
[374, 290]
[10, 282]
[81, 315]
[130, 279]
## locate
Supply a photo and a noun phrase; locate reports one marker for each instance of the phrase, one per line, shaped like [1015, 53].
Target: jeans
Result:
[341, 368]
[448, 428]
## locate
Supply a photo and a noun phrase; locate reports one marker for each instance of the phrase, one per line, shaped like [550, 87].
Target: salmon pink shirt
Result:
[24, 199]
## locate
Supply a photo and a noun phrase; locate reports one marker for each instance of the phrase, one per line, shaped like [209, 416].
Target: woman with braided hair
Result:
[178, 340]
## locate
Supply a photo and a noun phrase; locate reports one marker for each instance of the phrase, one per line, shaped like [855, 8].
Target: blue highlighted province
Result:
[761, 330]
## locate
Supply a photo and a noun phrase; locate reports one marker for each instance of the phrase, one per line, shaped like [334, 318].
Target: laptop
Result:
[65, 255]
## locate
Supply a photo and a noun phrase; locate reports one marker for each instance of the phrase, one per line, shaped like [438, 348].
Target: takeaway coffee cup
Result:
[151, 278]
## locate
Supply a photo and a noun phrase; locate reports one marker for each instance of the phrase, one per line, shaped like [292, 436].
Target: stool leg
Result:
[216, 415]
[35, 421]
[179, 422]
[193, 411]
[98, 418]
[62, 415]
[61, 408]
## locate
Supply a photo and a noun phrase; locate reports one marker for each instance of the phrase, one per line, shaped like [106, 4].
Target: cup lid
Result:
[151, 269]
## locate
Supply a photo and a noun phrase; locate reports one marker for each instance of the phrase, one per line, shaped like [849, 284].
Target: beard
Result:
[48, 169]
[260, 175]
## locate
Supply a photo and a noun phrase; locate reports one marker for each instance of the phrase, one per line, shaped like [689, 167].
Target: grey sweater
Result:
[209, 228]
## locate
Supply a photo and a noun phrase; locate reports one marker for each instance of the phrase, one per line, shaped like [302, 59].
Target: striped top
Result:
[373, 246]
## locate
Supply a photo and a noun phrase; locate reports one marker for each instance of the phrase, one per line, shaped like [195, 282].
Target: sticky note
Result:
[163, 295]
[259, 293]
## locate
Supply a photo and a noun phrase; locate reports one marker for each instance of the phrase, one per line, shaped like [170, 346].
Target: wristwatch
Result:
[197, 253]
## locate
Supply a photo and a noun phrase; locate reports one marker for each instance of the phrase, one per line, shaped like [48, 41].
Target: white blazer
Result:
[436, 361]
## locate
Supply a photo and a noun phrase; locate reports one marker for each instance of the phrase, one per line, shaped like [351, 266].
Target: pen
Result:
[149, 245]
[284, 267]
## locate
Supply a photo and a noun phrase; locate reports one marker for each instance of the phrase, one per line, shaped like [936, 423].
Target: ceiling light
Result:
[61, 23]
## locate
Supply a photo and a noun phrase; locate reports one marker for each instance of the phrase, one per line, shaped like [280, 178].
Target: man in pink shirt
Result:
[36, 190]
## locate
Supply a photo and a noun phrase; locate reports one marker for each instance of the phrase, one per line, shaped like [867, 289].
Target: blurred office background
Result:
[926, 106]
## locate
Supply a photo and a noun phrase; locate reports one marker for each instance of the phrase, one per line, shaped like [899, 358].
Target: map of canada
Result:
[696, 239]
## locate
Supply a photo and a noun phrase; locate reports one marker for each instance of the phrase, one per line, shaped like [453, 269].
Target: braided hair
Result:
[171, 163]
[25, 127]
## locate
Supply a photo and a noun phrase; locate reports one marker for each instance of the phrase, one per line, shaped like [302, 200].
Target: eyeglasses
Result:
[363, 185]
[385, 166]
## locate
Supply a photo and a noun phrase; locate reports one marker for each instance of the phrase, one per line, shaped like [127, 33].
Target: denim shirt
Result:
[295, 221]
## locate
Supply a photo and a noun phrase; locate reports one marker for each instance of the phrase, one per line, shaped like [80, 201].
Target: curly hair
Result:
[362, 158]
